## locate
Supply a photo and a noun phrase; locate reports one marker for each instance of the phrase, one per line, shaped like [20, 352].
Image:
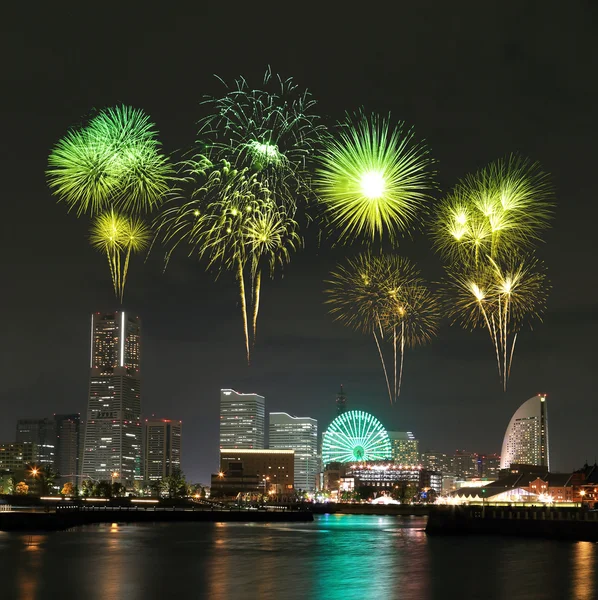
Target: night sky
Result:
[477, 80]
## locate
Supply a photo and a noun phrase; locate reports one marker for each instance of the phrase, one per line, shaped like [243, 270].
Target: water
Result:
[336, 556]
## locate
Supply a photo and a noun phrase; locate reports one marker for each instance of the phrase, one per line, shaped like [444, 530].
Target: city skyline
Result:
[474, 95]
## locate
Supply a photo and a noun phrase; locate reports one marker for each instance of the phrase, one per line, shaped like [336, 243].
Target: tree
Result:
[103, 489]
[21, 488]
[118, 489]
[175, 484]
[87, 488]
[67, 489]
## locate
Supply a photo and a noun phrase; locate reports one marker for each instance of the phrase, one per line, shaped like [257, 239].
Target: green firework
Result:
[372, 179]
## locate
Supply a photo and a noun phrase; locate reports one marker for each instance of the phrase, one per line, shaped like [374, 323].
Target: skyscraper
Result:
[68, 428]
[113, 429]
[41, 432]
[405, 448]
[301, 435]
[526, 438]
[242, 418]
[161, 448]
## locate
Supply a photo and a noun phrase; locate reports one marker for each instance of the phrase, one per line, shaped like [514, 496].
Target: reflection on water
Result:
[337, 556]
[584, 571]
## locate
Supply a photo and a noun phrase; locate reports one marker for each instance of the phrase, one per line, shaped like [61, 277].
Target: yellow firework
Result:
[384, 295]
[500, 209]
[118, 236]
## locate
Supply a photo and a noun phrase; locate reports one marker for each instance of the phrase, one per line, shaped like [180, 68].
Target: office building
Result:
[436, 461]
[341, 402]
[404, 447]
[113, 431]
[242, 420]
[16, 459]
[161, 448]
[301, 435]
[526, 438]
[465, 464]
[68, 441]
[42, 433]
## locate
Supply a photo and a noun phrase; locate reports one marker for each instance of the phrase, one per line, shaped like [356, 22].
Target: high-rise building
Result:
[526, 438]
[436, 461]
[488, 465]
[68, 428]
[42, 433]
[301, 435]
[341, 402]
[113, 430]
[465, 465]
[242, 420]
[405, 448]
[161, 448]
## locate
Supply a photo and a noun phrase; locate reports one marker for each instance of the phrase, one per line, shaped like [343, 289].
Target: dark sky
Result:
[477, 80]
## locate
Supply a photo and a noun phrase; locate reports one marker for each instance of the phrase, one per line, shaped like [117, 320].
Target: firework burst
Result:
[118, 237]
[499, 297]
[231, 223]
[272, 131]
[113, 162]
[498, 210]
[373, 179]
[384, 295]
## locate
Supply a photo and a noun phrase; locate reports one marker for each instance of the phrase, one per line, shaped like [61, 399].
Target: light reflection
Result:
[27, 581]
[584, 573]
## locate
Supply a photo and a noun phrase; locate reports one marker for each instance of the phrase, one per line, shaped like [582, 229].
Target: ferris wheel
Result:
[355, 436]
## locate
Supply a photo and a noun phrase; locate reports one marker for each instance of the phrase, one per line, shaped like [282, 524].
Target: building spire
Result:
[341, 402]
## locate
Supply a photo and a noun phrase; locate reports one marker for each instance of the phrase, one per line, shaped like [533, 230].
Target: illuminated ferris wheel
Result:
[355, 436]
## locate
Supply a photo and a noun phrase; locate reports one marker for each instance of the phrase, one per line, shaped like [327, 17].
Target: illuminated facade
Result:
[242, 420]
[405, 448]
[436, 461]
[526, 438]
[112, 447]
[14, 458]
[301, 435]
[242, 470]
[355, 435]
[161, 448]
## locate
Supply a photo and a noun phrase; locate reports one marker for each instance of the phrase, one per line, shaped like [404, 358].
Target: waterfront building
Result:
[113, 430]
[162, 439]
[68, 442]
[526, 438]
[436, 461]
[266, 471]
[405, 448]
[488, 465]
[301, 435]
[355, 435]
[242, 420]
[42, 433]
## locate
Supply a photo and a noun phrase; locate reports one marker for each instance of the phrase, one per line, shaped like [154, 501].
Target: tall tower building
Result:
[161, 448]
[341, 402]
[405, 448]
[68, 441]
[526, 438]
[42, 433]
[112, 449]
[301, 435]
[242, 420]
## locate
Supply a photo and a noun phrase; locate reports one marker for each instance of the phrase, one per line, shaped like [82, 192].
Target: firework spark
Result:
[118, 237]
[373, 179]
[384, 295]
[272, 131]
[498, 210]
[500, 296]
[113, 162]
[232, 224]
